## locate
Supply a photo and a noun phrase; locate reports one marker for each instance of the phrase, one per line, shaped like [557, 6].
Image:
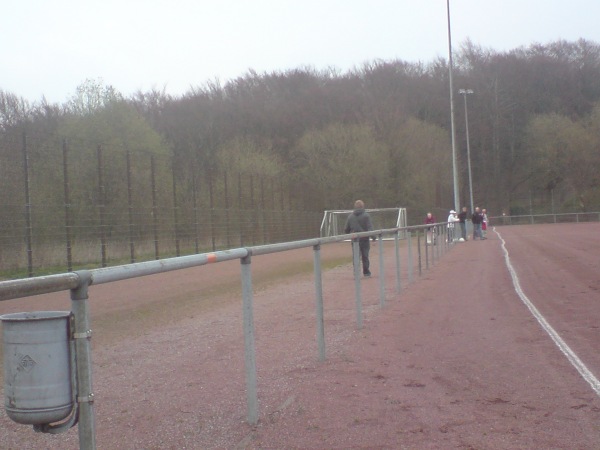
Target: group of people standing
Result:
[359, 221]
[479, 218]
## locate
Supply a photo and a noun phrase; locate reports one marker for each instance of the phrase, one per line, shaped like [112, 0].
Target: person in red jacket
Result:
[430, 220]
[484, 224]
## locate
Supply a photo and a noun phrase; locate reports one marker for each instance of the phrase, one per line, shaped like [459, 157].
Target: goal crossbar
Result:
[383, 218]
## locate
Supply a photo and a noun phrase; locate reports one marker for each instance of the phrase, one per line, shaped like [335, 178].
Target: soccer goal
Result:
[383, 218]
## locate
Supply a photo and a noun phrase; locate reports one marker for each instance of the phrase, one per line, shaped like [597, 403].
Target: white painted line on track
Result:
[562, 345]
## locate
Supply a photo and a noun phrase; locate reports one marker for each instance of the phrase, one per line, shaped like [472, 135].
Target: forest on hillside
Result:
[310, 140]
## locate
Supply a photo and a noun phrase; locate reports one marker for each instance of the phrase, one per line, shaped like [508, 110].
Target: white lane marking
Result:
[562, 345]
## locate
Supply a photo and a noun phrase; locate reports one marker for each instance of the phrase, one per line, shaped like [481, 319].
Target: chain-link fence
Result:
[68, 205]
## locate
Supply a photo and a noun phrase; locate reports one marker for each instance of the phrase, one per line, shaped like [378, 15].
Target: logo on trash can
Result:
[26, 363]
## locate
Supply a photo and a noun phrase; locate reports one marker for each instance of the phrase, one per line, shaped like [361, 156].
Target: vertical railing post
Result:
[381, 272]
[434, 246]
[82, 335]
[444, 230]
[410, 257]
[397, 254]
[249, 350]
[425, 239]
[446, 238]
[419, 253]
[357, 293]
[319, 302]
[439, 241]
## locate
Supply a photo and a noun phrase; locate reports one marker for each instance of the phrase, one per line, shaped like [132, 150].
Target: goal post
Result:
[383, 218]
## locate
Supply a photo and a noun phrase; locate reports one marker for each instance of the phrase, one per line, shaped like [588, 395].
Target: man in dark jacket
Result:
[477, 220]
[357, 222]
[462, 219]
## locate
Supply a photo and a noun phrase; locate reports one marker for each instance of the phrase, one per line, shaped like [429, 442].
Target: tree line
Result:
[379, 132]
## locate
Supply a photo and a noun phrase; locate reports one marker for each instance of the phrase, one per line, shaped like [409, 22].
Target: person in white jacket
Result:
[452, 219]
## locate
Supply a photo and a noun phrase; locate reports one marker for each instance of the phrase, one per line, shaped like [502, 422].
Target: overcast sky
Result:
[49, 47]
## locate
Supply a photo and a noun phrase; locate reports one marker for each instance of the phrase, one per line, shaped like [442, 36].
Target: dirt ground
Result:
[455, 360]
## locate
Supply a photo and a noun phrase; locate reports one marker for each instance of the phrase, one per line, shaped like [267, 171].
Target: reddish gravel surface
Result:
[456, 360]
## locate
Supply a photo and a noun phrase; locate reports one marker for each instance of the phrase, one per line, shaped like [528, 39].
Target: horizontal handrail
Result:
[26, 287]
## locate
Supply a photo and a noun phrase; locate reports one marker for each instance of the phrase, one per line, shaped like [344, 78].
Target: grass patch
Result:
[114, 326]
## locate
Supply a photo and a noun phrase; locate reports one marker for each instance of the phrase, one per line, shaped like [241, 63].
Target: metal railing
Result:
[78, 283]
[536, 219]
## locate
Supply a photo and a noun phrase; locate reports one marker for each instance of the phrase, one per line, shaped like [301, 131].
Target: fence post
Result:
[284, 217]
[195, 202]
[67, 206]
[381, 272]
[212, 210]
[419, 252]
[227, 219]
[252, 211]
[249, 351]
[82, 335]
[397, 252]
[101, 205]
[241, 217]
[264, 211]
[319, 301]
[425, 239]
[410, 257]
[28, 227]
[154, 207]
[130, 208]
[175, 215]
[357, 293]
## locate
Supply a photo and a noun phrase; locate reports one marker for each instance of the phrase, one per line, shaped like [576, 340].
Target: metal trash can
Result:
[37, 366]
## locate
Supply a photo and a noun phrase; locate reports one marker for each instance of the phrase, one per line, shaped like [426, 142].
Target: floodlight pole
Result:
[466, 92]
[454, 167]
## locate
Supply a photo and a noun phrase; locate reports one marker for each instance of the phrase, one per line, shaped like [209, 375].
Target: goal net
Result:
[383, 218]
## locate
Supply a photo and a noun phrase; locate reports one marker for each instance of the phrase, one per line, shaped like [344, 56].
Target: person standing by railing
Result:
[462, 218]
[477, 220]
[452, 219]
[484, 224]
[357, 222]
[430, 220]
